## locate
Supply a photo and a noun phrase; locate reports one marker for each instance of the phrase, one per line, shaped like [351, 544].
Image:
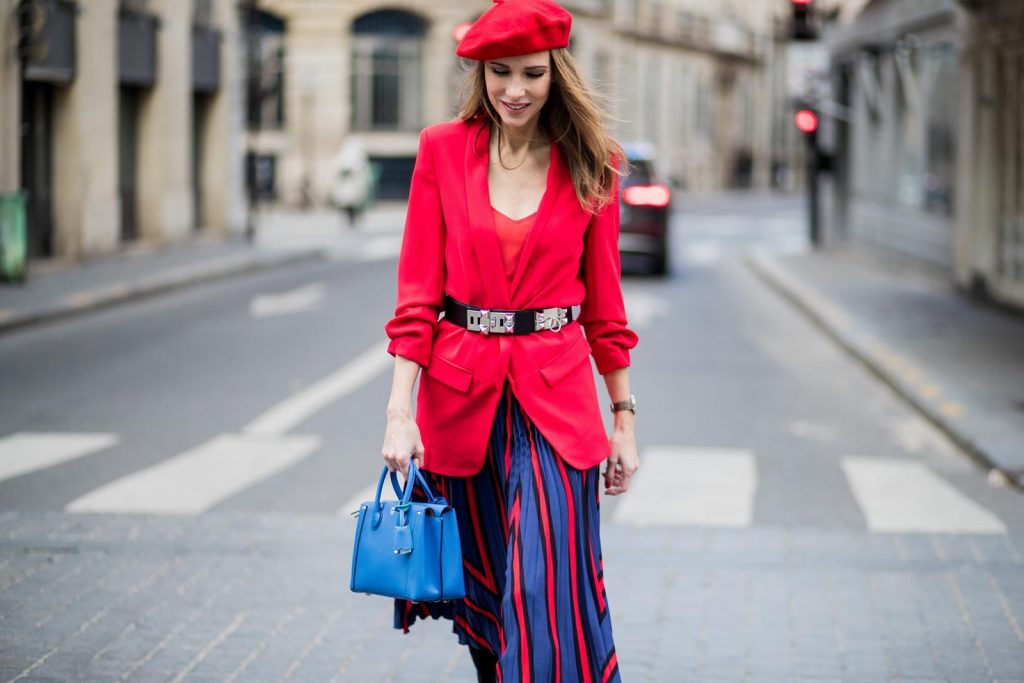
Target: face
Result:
[518, 87]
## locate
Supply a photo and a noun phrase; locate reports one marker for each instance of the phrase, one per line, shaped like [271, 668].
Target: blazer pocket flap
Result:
[447, 372]
[565, 361]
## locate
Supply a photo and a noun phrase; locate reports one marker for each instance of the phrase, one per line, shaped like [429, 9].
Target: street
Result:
[176, 475]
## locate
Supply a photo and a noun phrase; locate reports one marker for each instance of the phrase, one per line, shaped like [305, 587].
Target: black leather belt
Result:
[493, 321]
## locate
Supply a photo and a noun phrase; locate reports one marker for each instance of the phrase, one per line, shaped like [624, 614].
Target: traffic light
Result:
[807, 121]
[806, 25]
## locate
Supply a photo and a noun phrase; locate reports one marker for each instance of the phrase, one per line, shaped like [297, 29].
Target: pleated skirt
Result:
[530, 533]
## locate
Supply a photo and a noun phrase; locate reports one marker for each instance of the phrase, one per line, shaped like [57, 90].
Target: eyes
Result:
[533, 75]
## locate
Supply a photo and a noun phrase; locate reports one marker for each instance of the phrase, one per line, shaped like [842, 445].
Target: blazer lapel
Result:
[555, 182]
[484, 238]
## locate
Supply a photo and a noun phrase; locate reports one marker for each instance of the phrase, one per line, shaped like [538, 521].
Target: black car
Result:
[645, 203]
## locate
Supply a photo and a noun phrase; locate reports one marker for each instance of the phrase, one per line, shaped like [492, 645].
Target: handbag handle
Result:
[404, 493]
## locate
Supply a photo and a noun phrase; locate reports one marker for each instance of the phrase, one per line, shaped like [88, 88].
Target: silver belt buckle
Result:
[551, 319]
[487, 321]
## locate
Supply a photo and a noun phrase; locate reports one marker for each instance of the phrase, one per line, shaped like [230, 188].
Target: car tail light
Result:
[647, 195]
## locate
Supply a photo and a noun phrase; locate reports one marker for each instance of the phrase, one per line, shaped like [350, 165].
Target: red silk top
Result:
[511, 237]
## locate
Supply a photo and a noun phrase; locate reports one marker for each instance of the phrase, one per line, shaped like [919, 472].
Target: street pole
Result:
[813, 211]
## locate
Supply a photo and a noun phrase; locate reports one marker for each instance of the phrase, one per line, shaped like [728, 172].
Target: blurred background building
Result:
[923, 121]
[121, 120]
[688, 76]
[147, 120]
[150, 120]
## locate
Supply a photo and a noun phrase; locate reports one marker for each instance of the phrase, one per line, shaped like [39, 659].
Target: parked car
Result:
[645, 204]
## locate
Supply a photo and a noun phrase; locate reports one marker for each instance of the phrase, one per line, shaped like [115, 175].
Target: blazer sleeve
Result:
[420, 264]
[603, 312]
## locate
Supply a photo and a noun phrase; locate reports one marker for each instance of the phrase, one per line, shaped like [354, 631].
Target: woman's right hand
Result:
[402, 443]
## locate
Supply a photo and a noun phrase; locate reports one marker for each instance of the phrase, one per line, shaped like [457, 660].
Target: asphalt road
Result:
[722, 364]
[266, 393]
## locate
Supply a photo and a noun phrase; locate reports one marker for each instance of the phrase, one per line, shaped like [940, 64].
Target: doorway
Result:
[37, 166]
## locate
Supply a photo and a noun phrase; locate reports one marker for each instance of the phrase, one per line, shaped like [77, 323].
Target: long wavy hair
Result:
[571, 119]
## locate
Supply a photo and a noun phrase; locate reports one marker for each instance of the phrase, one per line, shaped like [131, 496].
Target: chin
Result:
[516, 123]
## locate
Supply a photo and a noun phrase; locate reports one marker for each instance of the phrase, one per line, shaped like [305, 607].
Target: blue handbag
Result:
[407, 549]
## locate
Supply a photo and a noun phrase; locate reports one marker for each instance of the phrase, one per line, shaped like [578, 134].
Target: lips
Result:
[515, 108]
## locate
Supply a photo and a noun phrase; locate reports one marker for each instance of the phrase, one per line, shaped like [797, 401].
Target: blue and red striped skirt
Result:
[530, 533]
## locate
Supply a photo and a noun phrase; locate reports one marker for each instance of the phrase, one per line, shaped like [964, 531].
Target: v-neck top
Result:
[511, 237]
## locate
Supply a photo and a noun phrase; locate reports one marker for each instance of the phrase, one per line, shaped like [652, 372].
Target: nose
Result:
[516, 88]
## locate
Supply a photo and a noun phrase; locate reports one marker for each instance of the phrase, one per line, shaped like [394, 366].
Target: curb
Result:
[897, 372]
[178, 278]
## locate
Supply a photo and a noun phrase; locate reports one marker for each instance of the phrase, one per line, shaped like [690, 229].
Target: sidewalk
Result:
[957, 361]
[229, 597]
[283, 237]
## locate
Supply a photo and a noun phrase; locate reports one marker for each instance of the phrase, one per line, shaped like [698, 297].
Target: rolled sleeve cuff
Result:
[610, 358]
[413, 349]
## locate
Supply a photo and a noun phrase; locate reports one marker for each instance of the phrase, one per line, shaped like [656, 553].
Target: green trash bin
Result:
[13, 243]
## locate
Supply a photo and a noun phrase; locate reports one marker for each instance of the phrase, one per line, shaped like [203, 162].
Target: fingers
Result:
[398, 462]
[402, 443]
[617, 476]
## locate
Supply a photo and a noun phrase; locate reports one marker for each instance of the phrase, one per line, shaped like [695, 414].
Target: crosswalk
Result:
[675, 486]
[691, 486]
[22, 453]
[196, 480]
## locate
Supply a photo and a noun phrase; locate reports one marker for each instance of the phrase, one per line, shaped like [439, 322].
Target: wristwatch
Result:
[629, 404]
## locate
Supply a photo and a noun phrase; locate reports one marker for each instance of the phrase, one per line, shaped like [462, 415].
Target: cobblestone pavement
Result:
[232, 597]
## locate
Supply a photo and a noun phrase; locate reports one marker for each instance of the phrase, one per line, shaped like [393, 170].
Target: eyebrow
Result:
[531, 67]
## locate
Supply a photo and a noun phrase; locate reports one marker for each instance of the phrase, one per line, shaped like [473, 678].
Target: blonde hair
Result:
[571, 119]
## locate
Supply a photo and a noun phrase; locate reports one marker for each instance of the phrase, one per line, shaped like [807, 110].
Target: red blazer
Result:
[571, 257]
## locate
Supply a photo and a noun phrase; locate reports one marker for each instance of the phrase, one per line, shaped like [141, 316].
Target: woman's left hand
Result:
[622, 463]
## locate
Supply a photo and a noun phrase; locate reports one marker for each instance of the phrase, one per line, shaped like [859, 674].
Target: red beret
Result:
[516, 27]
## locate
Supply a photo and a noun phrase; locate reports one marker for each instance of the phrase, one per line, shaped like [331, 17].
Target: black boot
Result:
[486, 665]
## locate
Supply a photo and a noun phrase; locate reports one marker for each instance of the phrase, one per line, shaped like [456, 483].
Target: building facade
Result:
[121, 120]
[927, 143]
[988, 249]
[688, 76]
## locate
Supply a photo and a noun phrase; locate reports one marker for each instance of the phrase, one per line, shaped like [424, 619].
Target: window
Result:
[265, 86]
[926, 127]
[387, 71]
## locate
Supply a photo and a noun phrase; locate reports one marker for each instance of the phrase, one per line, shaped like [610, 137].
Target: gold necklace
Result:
[501, 163]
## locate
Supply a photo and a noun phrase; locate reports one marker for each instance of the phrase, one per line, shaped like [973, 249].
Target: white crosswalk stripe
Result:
[675, 486]
[690, 486]
[296, 409]
[26, 452]
[196, 480]
[308, 298]
[906, 496]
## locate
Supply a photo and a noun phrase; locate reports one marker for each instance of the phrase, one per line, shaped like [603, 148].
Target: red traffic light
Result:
[802, 2]
[806, 120]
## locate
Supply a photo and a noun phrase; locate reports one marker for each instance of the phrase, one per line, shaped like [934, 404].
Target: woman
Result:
[513, 221]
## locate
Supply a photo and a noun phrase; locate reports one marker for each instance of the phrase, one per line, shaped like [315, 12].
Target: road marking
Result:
[298, 408]
[353, 503]
[379, 248]
[906, 496]
[642, 308]
[196, 480]
[81, 299]
[307, 298]
[817, 431]
[25, 452]
[952, 409]
[691, 486]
